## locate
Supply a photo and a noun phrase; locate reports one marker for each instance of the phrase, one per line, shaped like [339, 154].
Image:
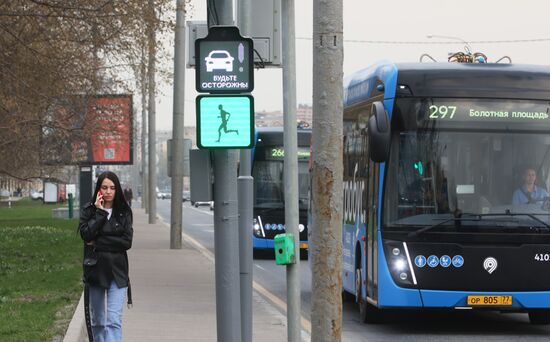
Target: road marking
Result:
[202, 224]
[276, 301]
[260, 267]
[306, 324]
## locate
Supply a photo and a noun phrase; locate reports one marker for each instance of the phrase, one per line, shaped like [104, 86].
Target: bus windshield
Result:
[436, 175]
[269, 184]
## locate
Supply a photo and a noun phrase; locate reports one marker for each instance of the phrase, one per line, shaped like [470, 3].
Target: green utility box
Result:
[284, 249]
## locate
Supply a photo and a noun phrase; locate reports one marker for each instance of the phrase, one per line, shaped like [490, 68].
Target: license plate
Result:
[489, 300]
[303, 245]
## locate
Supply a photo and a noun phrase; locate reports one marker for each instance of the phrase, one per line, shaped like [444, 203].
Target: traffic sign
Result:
[224, 62]
[225, 121]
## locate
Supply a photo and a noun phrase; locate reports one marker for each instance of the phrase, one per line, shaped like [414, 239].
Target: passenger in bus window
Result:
[529, 192]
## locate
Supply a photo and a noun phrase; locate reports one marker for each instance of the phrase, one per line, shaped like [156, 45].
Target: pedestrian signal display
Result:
[225, 121]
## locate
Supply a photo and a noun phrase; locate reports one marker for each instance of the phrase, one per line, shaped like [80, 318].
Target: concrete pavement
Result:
[174, 293]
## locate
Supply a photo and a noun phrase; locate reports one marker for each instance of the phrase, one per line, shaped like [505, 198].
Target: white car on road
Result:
[219, 59]
[166, 194]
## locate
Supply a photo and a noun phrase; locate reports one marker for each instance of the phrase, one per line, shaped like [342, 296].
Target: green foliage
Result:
[40, 272]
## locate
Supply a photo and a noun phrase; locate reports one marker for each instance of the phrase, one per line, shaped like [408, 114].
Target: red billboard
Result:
[89, 130]
[112, 129]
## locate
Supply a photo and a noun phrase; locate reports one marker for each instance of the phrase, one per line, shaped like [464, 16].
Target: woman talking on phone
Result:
[106, 228]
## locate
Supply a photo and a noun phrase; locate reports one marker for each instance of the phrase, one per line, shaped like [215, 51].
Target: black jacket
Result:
[111, 239]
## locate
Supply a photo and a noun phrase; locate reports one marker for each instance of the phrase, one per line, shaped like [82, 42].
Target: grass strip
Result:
[40, 271]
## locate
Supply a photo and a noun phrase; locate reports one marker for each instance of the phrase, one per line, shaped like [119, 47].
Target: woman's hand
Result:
[99, 200]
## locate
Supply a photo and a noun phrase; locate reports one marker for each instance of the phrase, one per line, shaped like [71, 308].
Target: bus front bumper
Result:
[513, 301]
[486, 300]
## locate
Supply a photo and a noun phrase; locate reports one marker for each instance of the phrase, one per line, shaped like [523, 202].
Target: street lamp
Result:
[467, 46]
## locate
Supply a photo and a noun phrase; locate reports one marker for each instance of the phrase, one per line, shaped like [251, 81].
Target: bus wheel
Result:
[539, 317]
[368, 313]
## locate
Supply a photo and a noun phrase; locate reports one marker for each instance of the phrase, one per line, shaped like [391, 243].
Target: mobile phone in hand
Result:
[99, 197]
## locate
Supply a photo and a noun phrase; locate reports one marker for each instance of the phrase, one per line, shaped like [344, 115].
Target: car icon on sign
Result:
[219, 59]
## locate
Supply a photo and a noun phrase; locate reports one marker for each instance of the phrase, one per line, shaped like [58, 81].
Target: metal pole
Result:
[246, 197]
[134, 168]
[144, 180]
[326, 246]
[134, 180]
[152, 123]
[291, 168]
[226, 232]
[246, 188]
[177, 130]
[226, 240]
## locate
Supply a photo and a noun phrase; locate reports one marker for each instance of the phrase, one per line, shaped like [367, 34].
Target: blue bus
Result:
[267, 170]
[435, 155]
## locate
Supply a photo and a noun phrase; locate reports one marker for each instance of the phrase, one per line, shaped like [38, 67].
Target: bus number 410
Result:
[542, 257]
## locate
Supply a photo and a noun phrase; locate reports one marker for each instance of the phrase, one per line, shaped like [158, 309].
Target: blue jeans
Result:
[107, 324]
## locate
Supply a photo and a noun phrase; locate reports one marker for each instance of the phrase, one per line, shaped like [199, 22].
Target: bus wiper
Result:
[507, 212]
[455, 219]
[476, 217]
[531, 216]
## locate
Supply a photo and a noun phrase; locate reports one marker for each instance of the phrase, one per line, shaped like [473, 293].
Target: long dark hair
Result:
[119, 202]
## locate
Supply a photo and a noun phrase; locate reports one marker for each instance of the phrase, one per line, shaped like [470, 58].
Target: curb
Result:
[76, 332]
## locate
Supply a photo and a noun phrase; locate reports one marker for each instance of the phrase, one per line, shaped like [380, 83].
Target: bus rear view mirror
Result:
[379, 133]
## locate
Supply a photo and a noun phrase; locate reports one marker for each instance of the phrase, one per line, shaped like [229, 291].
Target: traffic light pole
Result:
[226, 233]
[226, 242]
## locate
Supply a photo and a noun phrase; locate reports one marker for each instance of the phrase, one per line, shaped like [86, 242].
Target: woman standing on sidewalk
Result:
[106, 228]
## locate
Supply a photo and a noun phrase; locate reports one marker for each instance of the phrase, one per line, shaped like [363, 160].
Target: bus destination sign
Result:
[485, 110]
[274, 153]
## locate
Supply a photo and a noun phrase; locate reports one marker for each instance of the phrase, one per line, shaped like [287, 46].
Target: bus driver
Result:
[529, 192]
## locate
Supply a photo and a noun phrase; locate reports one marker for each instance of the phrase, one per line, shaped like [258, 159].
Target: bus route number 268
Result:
[442, 112]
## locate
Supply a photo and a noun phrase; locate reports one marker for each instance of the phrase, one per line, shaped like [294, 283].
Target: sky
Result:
[404, 23]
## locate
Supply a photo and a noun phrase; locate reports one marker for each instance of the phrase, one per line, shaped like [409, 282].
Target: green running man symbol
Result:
[225, 117]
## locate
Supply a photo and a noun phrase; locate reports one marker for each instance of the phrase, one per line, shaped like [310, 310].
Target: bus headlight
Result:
[399, 263]
[301, 227]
